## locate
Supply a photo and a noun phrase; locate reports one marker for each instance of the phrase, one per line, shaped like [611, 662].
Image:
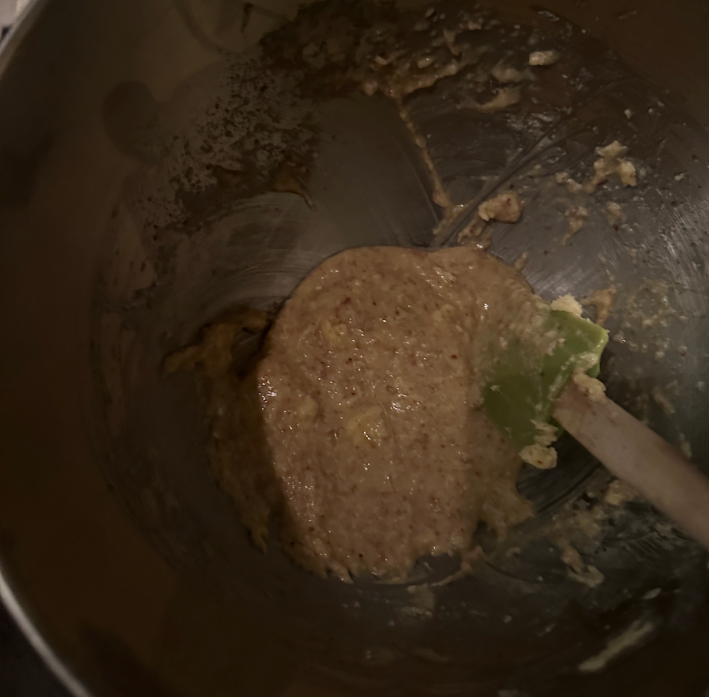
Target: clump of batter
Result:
[358, 433]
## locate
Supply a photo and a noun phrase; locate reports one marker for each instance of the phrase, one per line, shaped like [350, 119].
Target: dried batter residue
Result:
[290, 178]
[423, 601]
[612, 161]
[594, 389]
[567, 303]
[649, 306]
[602, 300]
[685, 446]
[618, 493]
[629, 638]
[521, 261]
[505, 207]
[504, 98]
[505, 73]
[614, 213]
[440, 196]
[578, 525]
[543, 57]
[577, 219]
[563, 179]
[662, 401]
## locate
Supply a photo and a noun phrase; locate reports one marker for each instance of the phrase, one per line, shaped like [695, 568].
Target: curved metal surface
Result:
[138, 159]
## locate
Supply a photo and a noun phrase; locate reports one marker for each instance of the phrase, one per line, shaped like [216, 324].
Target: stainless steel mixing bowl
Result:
[139, 141]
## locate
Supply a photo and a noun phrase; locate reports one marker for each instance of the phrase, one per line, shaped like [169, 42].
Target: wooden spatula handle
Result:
[639, 457]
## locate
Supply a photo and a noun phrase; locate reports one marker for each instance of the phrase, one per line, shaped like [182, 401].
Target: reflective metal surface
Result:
[148, 158]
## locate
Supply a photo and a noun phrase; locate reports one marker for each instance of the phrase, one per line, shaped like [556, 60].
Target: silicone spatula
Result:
[525, 383]
[528, 394]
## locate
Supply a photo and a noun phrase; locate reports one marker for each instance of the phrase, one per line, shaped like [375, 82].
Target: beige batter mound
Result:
[359, 430]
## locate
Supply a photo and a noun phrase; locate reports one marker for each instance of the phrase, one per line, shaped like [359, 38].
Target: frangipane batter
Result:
[358, 433]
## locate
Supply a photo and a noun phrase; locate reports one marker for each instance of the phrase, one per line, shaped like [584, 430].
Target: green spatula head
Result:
[526, 382]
